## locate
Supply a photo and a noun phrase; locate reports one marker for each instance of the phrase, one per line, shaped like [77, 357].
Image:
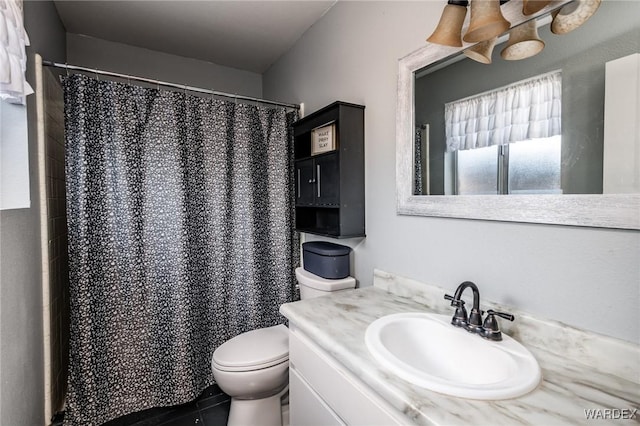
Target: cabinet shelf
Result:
[309, 157]
[330, 185]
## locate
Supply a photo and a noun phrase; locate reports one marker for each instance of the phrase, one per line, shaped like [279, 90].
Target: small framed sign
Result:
[323, 139]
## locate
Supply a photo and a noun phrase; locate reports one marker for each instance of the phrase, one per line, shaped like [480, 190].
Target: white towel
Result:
[13, 58]
[4, 31]
[5, 66]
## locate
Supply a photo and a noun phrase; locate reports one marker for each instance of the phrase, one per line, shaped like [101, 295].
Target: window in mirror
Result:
[526, 167]
[482, 130]
[477, 171]
[534, 167]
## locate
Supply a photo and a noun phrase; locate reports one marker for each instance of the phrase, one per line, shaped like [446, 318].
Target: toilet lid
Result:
[308, 279]
[254, 349]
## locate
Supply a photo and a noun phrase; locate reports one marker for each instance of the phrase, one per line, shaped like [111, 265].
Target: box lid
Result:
[325, 248]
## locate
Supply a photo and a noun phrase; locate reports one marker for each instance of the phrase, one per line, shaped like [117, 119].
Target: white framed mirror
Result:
[611, 210]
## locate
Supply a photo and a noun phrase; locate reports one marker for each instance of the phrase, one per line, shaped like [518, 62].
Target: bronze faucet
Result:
[473, 322]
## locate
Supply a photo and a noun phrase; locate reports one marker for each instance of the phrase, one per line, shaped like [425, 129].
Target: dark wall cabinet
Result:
[318, 181]
[330, 184]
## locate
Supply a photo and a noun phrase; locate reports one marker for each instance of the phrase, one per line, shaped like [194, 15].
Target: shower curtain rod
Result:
[167, 84]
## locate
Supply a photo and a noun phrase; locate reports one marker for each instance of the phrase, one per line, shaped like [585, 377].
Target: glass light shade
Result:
[524, 42]
[574, 14]
[482, 52]
[530, 7]
[449, 29]
[486, 21]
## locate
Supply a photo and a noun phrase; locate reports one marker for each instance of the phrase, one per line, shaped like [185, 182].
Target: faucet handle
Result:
[454, 301]
[490, 328]
[460, 317]
[504, 315]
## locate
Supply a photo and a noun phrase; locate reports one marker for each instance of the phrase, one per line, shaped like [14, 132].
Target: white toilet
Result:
[253, 367]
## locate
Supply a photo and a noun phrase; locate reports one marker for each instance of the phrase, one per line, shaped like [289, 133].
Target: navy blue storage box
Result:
[327, 260]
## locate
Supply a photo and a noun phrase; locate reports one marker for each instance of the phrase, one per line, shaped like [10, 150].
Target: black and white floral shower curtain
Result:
[180, 237]
[417, 161]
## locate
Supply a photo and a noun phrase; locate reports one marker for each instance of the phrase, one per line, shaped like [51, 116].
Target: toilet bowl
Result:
[253, 367]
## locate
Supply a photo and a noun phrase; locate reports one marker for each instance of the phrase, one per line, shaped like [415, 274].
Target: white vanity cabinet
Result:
[335, 380]
[322, 392]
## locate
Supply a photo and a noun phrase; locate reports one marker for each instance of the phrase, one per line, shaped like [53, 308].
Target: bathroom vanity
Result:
[322, 392]
[334, 380]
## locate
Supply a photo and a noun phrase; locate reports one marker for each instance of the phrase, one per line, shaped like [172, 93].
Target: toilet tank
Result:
[312, 285]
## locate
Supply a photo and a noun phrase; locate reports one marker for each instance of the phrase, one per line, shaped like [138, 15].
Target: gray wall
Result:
[121, 58]
[584, 277]
[21, 357]
[581, 55]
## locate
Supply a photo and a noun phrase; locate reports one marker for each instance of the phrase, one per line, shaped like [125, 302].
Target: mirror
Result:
[435, 75]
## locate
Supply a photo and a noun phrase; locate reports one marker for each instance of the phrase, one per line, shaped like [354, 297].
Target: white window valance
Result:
[524, 110]
[13, 58]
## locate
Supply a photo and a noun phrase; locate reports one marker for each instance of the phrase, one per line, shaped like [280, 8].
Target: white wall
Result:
[589, 278]
[122, 58]
[621, 168]
[14, 157]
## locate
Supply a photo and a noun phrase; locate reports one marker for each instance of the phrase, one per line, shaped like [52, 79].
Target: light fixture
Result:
[572, 15]
[486, 21]
[530, 7]
[449, 29]
[481, 52]
[524, 42]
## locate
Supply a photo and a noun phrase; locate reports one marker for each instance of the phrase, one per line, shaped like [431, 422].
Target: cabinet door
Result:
[348, 398]
[327, 177]
[305, 182]
[306, 407]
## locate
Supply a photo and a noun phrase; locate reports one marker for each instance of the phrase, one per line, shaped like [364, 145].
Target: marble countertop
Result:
[337, 323]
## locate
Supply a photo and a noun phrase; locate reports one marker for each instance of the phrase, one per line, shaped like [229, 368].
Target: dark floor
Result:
[211, 408]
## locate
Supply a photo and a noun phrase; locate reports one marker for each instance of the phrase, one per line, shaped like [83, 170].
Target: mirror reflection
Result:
[533, 126]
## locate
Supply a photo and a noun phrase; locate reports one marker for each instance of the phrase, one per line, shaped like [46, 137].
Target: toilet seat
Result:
[253, 350]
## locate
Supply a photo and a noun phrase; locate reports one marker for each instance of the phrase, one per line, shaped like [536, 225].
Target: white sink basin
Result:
[426, 350]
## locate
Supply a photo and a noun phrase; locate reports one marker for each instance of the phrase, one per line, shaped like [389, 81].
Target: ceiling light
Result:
[482, 51]
[524, 42]
[449, 29]
[529, 7]
[486, 21]
[574, 14]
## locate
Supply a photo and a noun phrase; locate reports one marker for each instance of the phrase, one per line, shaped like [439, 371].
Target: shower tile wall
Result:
[57, 240]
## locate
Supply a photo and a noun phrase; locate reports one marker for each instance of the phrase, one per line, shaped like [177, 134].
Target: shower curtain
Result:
[180, 213]
[417, 161]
